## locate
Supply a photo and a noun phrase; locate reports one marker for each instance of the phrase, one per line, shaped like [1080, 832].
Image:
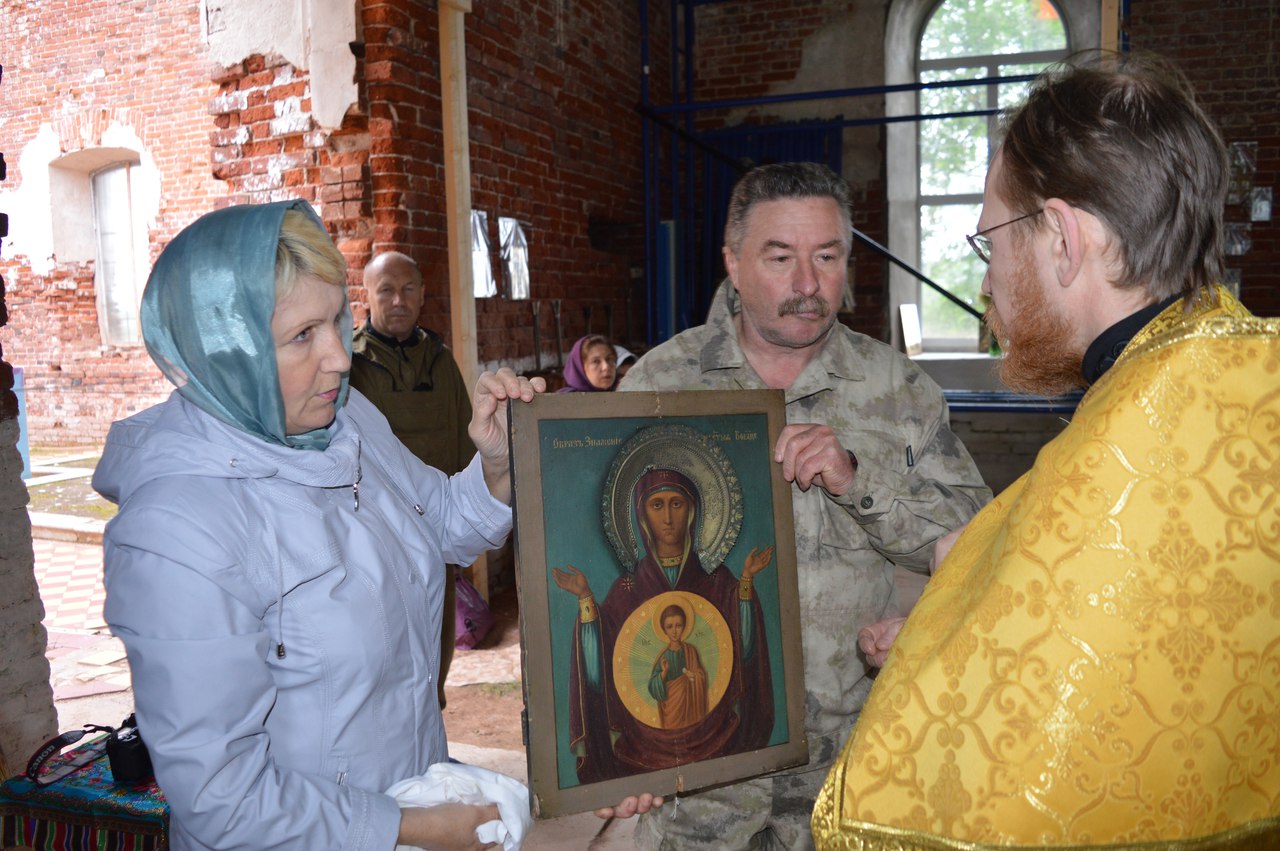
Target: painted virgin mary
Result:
[608, 739]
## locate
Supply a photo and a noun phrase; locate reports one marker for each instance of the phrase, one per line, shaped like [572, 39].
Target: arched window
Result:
[937, 170]
[99, 198]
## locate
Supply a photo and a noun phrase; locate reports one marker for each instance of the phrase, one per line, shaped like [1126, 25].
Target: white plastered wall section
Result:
[314, 35]
[47, 233]
[309, 34]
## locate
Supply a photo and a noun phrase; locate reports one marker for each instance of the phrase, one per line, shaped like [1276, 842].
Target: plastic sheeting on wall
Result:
[515, 257]
[482, 283]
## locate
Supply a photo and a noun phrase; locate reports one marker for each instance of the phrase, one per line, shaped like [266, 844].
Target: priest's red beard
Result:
[1040, 355]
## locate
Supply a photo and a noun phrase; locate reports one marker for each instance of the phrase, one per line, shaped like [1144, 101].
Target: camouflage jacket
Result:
[915, 482]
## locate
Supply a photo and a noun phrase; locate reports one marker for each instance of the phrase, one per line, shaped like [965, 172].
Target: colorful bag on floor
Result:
[472, 617]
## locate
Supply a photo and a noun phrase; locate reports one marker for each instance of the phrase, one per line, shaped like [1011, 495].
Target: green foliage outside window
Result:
[964, 40]
[991, 27]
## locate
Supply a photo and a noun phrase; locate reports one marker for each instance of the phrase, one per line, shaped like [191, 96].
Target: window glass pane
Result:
[987, 27]
[953, 151]
[946, 258]
[1012, 94]
[116, 273]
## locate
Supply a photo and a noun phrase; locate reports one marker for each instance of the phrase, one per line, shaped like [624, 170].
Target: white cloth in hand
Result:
[451, 782]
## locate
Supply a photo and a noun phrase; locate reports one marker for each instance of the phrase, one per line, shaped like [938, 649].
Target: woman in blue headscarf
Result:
[276, 567]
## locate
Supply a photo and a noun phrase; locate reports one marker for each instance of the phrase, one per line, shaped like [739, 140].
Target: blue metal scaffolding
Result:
[689, 172]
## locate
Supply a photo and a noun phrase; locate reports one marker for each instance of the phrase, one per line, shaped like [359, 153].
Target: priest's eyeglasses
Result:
[981, 243]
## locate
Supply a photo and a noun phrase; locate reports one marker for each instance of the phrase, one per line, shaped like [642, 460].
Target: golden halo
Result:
[638, 646]
[681, 603]
[693, 454]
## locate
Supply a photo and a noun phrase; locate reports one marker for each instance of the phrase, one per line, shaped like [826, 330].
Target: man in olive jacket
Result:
[412, 378]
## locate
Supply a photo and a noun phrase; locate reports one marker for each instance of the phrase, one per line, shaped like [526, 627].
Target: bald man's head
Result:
[394, 284]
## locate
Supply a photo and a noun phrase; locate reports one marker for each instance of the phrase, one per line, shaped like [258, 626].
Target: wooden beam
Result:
[1110, 19]
[457, 193]
[457, 183]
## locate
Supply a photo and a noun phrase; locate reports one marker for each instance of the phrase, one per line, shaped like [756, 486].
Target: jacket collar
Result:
[1103, 352]
[837, 360]
[415, 338]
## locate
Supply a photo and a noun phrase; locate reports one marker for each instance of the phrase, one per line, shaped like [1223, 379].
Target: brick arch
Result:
[85, 128]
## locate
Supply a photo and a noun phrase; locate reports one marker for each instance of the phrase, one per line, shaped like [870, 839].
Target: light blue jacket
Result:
[228, 548]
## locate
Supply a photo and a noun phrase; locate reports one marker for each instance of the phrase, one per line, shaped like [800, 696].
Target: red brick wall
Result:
[743, 48]
[554, 143]
[75, 65]
[869, 276]
[266, 147]
[558, 147]
[1228, 50]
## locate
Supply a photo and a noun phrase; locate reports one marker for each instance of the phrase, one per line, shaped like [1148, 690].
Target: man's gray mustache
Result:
[804, 304]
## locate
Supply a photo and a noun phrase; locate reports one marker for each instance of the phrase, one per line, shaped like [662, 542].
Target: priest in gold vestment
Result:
[1096, 661]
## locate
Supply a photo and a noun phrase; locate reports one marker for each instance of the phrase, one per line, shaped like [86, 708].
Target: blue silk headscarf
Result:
[206, 319]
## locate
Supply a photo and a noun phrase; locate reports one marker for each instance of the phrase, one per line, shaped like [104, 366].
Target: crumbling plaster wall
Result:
[27, 716]
[311, 35]
[88, 82]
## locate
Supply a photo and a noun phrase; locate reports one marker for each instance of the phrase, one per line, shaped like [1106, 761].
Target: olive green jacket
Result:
[420, 391]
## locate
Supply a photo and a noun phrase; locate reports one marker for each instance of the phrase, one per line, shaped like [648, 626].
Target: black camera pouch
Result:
[130, 762]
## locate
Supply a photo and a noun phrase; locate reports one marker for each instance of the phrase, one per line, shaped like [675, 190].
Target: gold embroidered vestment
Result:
[1097, 661]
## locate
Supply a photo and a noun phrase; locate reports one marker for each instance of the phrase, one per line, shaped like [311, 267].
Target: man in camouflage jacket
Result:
[878, 474]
